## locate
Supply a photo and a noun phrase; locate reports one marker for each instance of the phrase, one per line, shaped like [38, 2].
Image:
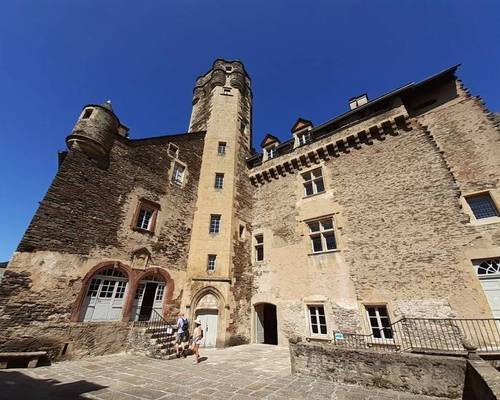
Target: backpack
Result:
[185, 325]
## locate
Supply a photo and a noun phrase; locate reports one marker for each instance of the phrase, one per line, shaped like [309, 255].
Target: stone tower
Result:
[218, 256]
[95, 130]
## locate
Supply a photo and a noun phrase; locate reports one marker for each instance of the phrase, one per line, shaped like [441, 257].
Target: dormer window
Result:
[269, 145]
[304, 138]
[270, 152]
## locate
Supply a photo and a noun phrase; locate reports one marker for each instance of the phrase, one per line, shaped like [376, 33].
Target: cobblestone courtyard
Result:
[243, 372]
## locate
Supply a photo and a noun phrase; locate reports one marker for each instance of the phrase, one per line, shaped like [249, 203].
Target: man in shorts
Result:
[181, 336]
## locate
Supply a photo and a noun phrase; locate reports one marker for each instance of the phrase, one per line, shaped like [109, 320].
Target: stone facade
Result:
[395, 173]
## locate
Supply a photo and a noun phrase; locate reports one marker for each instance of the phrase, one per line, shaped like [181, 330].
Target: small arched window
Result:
[488, 267]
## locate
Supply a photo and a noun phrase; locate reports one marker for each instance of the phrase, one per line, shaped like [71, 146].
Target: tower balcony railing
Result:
[428, 335]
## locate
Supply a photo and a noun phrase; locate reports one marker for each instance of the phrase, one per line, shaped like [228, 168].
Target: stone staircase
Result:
[154, 338]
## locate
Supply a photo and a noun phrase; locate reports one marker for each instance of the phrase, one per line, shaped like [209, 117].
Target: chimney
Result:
[357, 101]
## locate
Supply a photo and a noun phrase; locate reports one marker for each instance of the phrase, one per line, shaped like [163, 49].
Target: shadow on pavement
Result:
[17, 386]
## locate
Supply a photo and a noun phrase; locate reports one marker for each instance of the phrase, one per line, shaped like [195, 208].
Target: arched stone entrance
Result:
[266, 323]
[149, 298]
[207, 310]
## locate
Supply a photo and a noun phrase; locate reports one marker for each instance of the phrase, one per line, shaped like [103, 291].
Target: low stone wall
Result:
[64, 341]
[482, 381]
[437, 376]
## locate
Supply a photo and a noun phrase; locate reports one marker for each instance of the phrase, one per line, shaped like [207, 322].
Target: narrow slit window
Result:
[87, 113]
[259, 247]
[212, 260]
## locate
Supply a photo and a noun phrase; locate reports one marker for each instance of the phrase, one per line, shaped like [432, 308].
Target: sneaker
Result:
[184, 354]
[195, 362]
[177, 355]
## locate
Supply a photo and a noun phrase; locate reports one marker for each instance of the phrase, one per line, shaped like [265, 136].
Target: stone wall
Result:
[482, 381]
[426, 375]
[85, 219]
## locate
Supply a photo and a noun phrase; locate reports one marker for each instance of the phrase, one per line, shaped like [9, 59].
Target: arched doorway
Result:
[207, 310]
[266, 324]
[105, 296]
[148, 298]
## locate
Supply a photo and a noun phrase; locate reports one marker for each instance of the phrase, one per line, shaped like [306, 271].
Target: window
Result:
[227, 90]
[229, 69]
[304, 138]
[120, 289]
[313, 182]
[212, 259]
[214, 223]
[379, 322]
[259, 247]
[487, 267]
[173, 150]
[178, 175]
[317, 320]
[322, 235]
[482, 206]
[145, 217]
[93, 287]
[159, 292]
[242, 231]
[219, 181]
[221, 150]
[87, 113]
[270, 152]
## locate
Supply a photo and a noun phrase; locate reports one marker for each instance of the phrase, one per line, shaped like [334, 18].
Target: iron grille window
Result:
[482, 206]
[379, 322]
[178, 175]
[313, 182]
[214, 223]
[317, 320]
[259, 247]
[212, 260]
[221, 150]
[219, 181]
[322, 235]
[487, 267]
[145, 218]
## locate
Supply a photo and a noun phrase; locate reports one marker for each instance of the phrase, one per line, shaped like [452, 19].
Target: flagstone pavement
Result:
[242, 372]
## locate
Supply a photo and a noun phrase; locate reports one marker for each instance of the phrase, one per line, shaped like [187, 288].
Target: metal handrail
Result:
[163, 330]
[455, 335]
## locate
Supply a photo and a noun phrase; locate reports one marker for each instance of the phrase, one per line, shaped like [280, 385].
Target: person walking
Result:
[197, 340]
[181, 336]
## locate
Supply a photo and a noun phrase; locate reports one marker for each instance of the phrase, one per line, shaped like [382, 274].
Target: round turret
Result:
[95, 130]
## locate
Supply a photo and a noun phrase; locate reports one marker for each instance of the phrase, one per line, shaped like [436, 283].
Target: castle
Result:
[388, 210]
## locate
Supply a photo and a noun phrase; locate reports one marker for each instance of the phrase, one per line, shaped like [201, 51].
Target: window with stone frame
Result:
[178, 174]
[221, 148]
[482, 206]
[214, 223]
[145, 216]
[379, 321]
[212, 261]
[313, 182]
[259, 247]
[322, 235]
[317, 320]
[219, 181]
[173, 150]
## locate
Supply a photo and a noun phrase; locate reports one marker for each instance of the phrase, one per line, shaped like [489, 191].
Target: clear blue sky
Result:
[306, 58]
